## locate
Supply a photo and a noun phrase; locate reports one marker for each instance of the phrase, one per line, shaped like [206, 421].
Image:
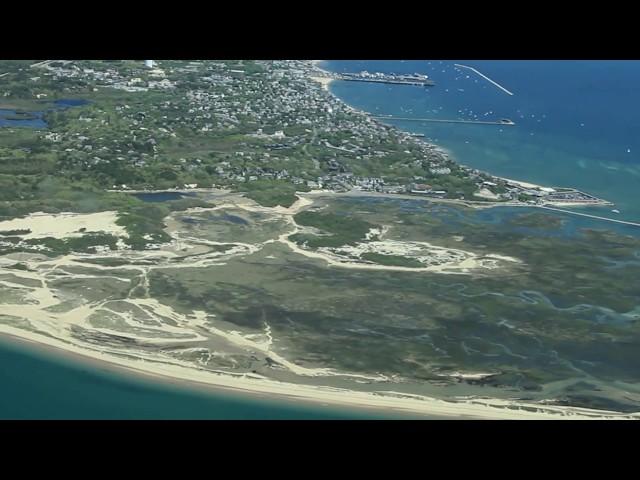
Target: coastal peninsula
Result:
[232, 223]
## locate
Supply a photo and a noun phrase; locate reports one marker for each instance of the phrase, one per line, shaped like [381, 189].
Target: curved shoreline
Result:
[102, 366]
[380, 400]
[248, 383]
[326, 82]
[405, 404]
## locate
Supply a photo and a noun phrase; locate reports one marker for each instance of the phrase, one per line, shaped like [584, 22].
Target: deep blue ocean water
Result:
[577, 122]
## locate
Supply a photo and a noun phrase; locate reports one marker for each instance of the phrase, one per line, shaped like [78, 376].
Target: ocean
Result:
[577, 122]
[38, 384]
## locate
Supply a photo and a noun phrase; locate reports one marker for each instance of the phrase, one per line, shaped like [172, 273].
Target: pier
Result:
[485, 77]
[504, 122]
[416, 79]
[415, 83]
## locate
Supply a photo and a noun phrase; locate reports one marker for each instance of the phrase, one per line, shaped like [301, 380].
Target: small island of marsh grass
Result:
[13, 233]
[391, 260]
[341, 229]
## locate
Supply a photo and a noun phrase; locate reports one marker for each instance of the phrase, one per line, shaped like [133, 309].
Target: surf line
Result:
[485, 77]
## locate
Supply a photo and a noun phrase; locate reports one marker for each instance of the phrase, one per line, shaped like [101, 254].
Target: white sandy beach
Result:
[324, 81]
[532, 186]
[393, 401]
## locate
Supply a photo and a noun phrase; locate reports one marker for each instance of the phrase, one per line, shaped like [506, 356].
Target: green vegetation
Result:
[144, 224]
[55, 246]
[165, 138]
[87, 243]
[391, 260]
[455, 184]
[185, 203]
[19, 266]
[11, 233]
[536, 220]
[342, 230]
[271, 193]
[54, 195]
[108, 262]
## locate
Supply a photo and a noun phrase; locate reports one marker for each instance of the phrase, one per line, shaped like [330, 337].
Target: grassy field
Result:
[271, 193]
[391, 260]
[342, 230]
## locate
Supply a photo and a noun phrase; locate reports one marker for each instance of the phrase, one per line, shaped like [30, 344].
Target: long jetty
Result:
[590, 216]
[485, 77]
[440, 120]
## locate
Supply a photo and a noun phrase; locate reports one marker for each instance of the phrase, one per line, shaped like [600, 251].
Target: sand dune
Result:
[65, 224]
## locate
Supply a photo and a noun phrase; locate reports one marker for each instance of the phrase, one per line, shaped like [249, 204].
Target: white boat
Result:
[615, 211]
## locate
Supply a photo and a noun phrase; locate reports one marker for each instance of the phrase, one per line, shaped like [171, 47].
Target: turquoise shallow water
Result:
[41, 385]
[577, 122]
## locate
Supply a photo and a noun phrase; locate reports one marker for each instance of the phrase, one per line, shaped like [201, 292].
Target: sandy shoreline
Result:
[324, 81]
[529, 185]
[56, 333]
[406, 404]
[403, 404]
[102, 366]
